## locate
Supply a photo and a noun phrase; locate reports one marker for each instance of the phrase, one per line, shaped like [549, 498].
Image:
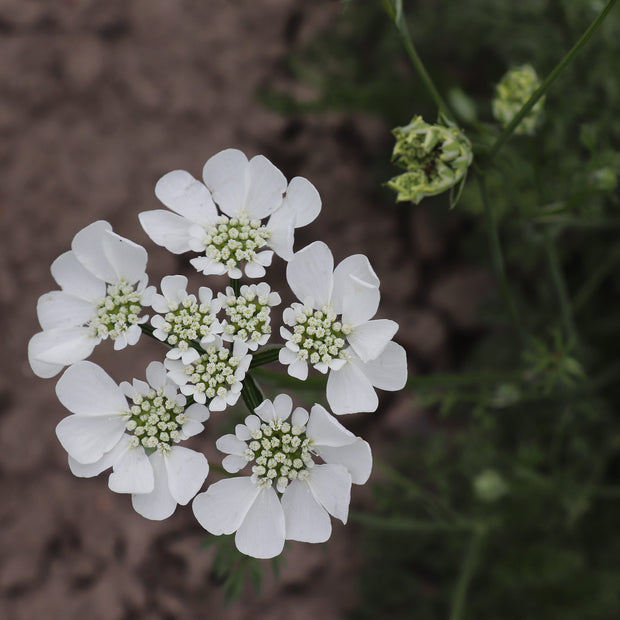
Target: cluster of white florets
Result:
[248, 315]
[186, 322]
[232, 240]
[117, 311]
[319, 335]
[280, 452]
[213, 373]
[155, 420]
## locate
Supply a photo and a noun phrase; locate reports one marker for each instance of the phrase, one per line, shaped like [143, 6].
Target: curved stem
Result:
[398, 18]
[266, 356]
[544, 87]
[251, 393]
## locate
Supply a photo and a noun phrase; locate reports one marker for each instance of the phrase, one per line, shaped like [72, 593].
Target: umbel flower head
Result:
[512, 91]
[103, 289]
[246, 192]
[332, 329]
[435, 157]
[287, 496]
[139, 441]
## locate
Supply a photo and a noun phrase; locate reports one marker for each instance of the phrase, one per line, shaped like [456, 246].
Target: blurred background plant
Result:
[506, 505]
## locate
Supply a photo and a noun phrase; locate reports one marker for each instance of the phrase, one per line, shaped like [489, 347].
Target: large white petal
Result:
[167, 229]
[356, 457]
[88, 470]
[331, 487]
[261, 534]
[370, 339]
[45, 370]
[88, 438]
[303, 200]
[185, 195]
[389, 370]
[223, 506]
[230, 444]
[132, 473]
[87, 246]
[360, 303]
[349, 391]
[283, 405]
[159, 503]
[357, 266]
[266, 411]
[225, 174]
[62, 346]
[281, 226]
[266, 185]
[58, 309]
[174, 288]
[126, 257]
[309, 273]
[75, 279]
[305, 519]
[187, 470]
[86, 389]
[208, 266]
[156, 375]
[233, 463]
[324, 430]
[197, 412]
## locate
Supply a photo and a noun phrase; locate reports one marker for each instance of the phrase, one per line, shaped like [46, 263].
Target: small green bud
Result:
[489, 486]
[435, 158]
[512, 91]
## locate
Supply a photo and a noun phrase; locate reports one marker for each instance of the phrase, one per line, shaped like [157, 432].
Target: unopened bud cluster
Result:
[512, 91]
[435, 158]
[117, 311]
[186, 322]
[233, 240]
[155, 420]
[214, 372]
[280, 453]
[320, 337]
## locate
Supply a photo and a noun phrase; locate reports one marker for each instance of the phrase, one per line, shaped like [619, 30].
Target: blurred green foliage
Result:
[508, 506]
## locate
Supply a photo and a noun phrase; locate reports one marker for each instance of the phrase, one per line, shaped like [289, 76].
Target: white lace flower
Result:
[332, 329]
[138, 441]
[246, 192]
[104, 288]
[216, 375]
[185, 319]
[282, 457]
[248, 315]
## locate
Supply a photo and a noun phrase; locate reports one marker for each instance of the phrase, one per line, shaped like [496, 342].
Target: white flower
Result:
[216, 375]
[355, 350]
[248, 315]
[185, 319]
[138, 441]
[246, 193]
[103, 284]
[282, 457]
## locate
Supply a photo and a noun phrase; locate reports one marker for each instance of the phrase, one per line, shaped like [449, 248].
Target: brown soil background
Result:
[97, 101]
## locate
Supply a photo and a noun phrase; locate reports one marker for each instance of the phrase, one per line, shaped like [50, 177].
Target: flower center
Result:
[117, 311]
[186, 322]
[319, 335]
[248, 316]
[232, 240]
[213, 372]
[155, 420]
[280, 452]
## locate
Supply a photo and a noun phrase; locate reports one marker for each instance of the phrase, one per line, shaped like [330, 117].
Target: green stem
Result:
[560, 288]
[544, 87]
[236, 286]
[590, 286]
[398, 18]
[251, 393]
[498, 259]
[266, 356]
[467, 572]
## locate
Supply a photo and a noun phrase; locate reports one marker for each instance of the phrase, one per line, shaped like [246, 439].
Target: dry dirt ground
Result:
[98, 99]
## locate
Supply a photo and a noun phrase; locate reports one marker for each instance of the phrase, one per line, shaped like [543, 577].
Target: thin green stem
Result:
[398, 18]
[467, 572]
[266, 356]
[236, 286]
[557, 277]
[498, 259]
[548, 81]
[589, 287]
[251, 393]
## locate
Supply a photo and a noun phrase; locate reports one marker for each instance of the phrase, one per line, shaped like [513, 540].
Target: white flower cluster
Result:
[301, 465]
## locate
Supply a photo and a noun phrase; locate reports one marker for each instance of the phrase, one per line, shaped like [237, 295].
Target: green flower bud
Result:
[489, 486]
[512, 91]
[435, 158]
